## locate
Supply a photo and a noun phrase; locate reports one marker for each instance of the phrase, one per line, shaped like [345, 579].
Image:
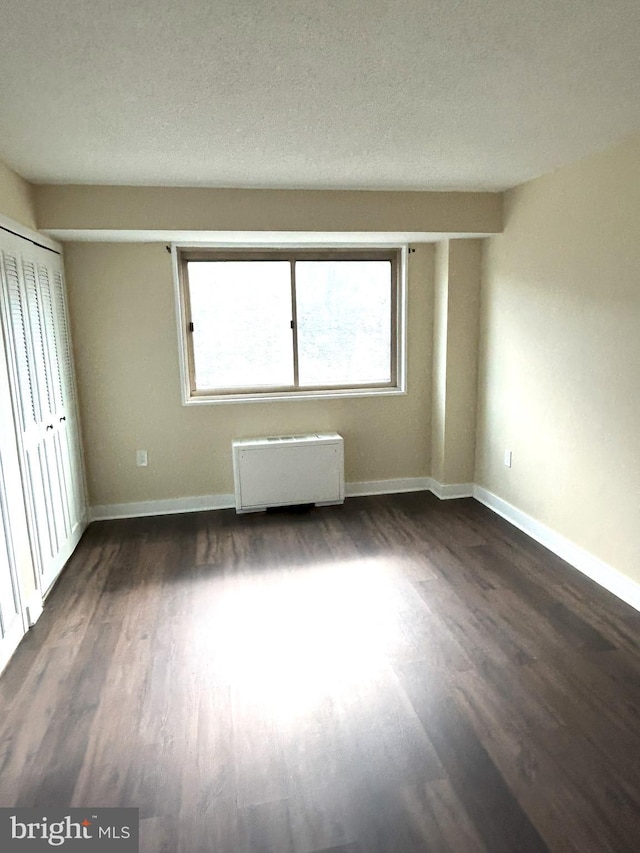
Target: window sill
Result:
[285, 396]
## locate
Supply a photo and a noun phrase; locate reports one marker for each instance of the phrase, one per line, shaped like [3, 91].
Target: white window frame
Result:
[191, 399]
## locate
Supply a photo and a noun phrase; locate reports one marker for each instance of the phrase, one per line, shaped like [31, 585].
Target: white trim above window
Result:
[290, 322]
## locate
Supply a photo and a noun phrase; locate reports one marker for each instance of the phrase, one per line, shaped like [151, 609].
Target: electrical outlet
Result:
[507, 458]
[141, 458]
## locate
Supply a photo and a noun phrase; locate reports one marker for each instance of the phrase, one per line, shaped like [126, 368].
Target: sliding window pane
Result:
[241, 312]
[344, 322]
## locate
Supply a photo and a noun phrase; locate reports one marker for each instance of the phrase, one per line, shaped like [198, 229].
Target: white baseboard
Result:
[388, 487]
[199, 503]
[450, 491]
[602, 573]
[33, 609]
[170, 506]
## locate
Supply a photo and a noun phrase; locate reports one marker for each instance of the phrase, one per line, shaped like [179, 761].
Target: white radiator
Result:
[285, 470]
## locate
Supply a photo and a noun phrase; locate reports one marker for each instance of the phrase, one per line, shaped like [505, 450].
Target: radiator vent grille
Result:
[286, 470]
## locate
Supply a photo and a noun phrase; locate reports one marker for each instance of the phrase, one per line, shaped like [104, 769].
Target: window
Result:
[281, 324]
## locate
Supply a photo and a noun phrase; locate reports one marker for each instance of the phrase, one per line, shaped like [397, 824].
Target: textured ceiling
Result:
[406, 94]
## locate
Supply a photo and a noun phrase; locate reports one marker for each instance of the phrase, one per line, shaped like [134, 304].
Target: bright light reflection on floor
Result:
[292, 637]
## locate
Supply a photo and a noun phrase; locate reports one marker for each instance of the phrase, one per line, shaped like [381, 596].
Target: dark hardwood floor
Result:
[397, 674]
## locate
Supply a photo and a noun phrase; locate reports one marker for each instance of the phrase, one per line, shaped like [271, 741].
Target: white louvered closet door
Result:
[47, 446]
[55, 429]
[12, 625]
[34, 294]
[31, 419]
[69, 429]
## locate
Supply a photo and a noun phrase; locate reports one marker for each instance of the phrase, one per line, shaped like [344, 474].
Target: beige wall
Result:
[16, 197]
[125, 339]
[439, 387]
[455, 360]
[560, 355]
[462, 359]
[199, 209]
